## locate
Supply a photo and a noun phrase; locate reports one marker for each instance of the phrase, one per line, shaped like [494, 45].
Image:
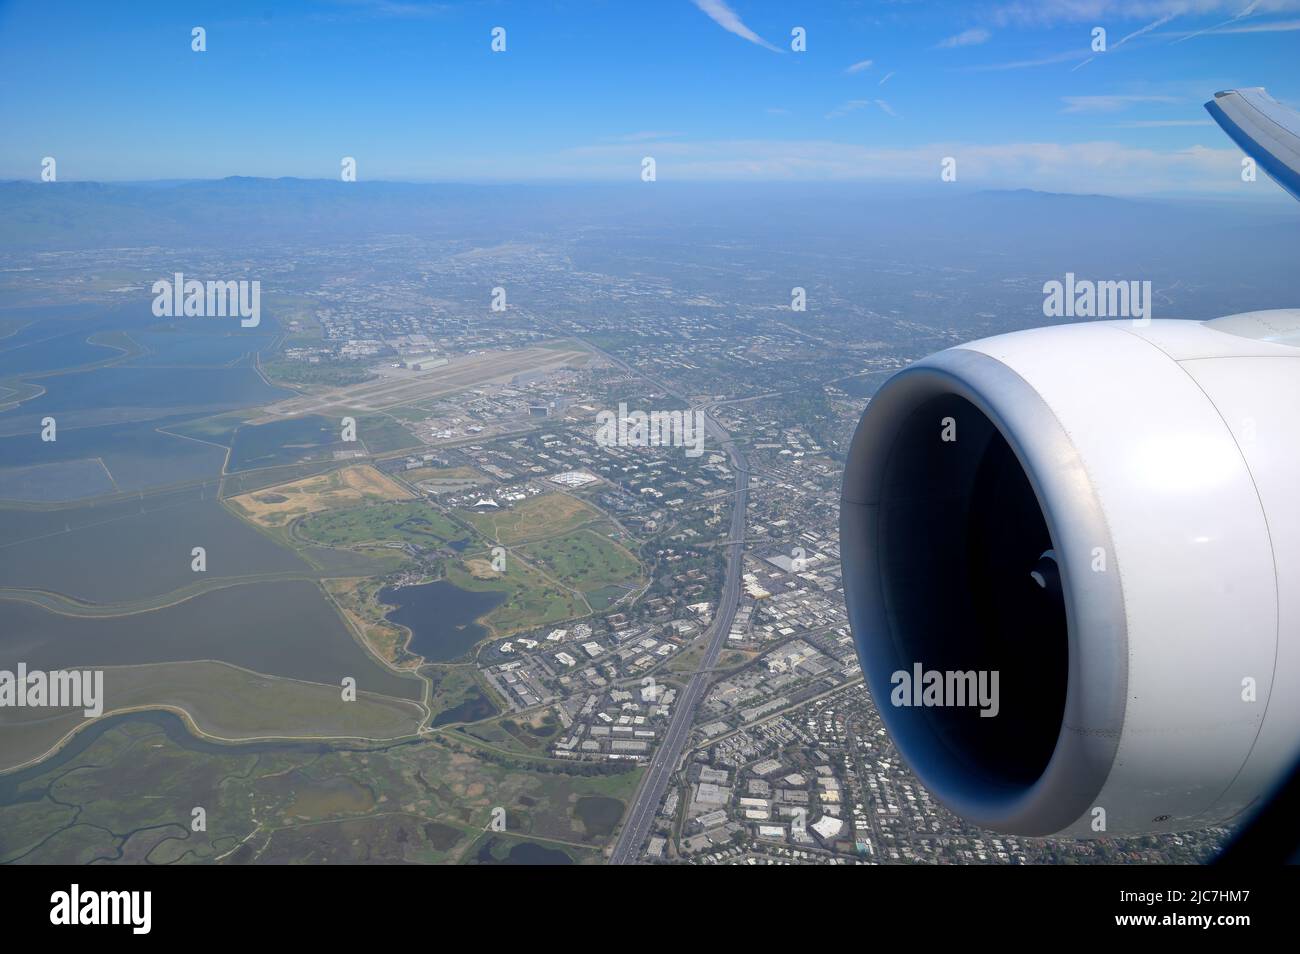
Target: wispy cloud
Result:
[852, 106]
[859, 66]
[395, 9]
[1140, 31]
[886, 78]
[1042, 13]
[1161, 123]
[1048, 60]
[1267, 26]
[729, 20]
[972, 37]
[1244, 13]
[648, 136]
[1155, 24]
[1107, 167]
[1108, 104]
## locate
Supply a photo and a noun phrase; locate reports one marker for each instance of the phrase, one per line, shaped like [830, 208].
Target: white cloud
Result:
[1103, 167]
[859, 66]
[1039, 13]
[1146, 29]
[1244, 13]
[729, 20]
[1161, 123]
[395, 8]
[887, 77]
[1136, 33]
[1108, 104]
[648, 136]
[972, 37]
[1268, 26]
[1029, 64]
[851, 106]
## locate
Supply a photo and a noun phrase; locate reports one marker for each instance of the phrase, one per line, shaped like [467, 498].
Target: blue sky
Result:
[584, 90]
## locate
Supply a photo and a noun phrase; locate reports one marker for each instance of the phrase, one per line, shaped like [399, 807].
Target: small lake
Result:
[440, 617]
[521, 853]
[473, 709]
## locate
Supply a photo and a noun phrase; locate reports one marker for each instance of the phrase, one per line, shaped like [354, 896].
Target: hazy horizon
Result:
[749, 91]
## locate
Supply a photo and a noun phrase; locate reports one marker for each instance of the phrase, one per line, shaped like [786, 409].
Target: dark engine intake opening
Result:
[969, 582]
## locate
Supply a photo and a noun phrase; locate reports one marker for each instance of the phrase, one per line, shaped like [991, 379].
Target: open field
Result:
[585, 560]
[413, 522]
[689, 661]
[276, 506]
[397, 386]
[381, 434]
[360, 561]
[441, 480]
[534, 519]
[530, 600]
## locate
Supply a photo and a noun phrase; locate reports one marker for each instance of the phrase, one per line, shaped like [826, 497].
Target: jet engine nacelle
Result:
[1106, 516]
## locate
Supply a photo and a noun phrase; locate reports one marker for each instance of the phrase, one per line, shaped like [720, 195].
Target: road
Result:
[655, 783]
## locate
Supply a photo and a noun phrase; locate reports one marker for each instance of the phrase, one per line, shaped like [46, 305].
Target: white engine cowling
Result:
[1106, 515]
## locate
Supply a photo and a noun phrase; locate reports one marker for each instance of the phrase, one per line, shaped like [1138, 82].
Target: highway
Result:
[636, 828]
[655, 783]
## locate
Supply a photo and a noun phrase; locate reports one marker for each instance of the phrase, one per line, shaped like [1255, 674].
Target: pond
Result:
[441, 617]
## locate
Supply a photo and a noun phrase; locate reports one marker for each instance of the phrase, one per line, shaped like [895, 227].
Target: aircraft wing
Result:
[1266, 131]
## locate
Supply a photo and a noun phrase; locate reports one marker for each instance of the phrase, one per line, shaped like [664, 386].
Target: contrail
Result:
[1244, 13]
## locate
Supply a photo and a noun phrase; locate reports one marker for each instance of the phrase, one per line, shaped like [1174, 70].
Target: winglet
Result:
[1265, 130]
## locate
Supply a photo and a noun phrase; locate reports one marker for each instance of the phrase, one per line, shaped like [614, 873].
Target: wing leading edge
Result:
[1266, 131]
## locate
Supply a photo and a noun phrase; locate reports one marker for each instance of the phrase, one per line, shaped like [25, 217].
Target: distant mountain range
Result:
[248, 212]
